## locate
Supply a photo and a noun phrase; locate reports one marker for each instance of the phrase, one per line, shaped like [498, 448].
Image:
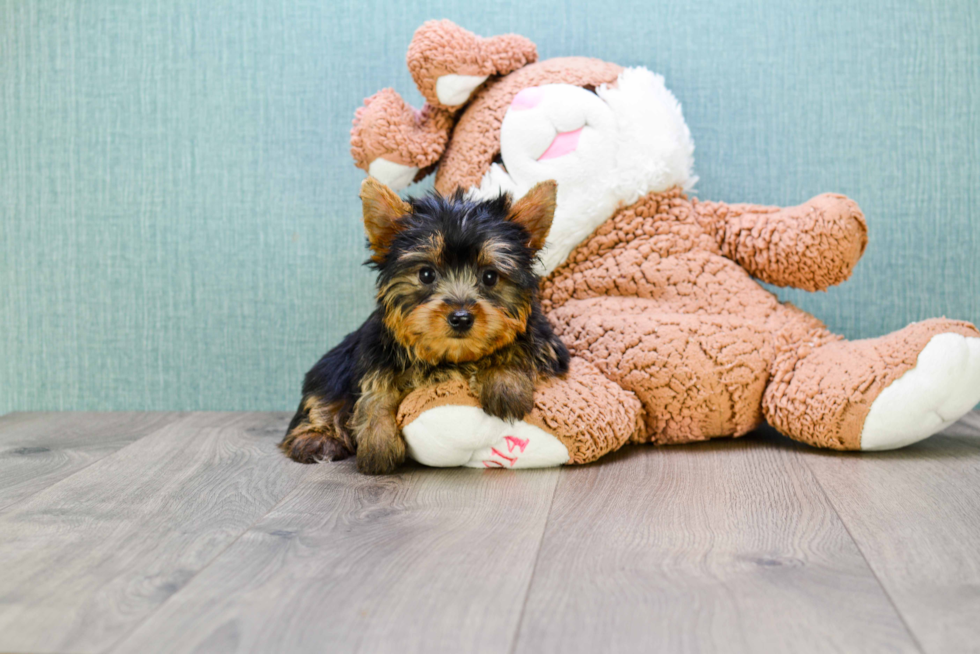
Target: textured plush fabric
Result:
[179, 221]
[388, 127]
[438, 42]
[656, 301]
[463, 167]
[812, 247]
[821, 390]
[587, 412]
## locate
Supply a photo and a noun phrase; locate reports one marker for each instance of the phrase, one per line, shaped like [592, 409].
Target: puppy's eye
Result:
[489, 277]
[427, 275]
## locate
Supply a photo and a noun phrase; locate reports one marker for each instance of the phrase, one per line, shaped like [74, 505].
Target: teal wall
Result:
[179, 224]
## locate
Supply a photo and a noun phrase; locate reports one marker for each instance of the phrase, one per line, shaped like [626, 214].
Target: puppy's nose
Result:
[461, 320]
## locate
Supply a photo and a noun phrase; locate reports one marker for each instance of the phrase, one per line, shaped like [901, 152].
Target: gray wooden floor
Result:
[142, 532]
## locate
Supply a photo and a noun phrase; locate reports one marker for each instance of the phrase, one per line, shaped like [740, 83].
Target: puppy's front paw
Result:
[380, 451]
[508, 396]
[305, 445]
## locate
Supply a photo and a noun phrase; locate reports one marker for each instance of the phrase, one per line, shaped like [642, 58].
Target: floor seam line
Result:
[537, 557]
[214, 558]
[864, 557]
[123, 638]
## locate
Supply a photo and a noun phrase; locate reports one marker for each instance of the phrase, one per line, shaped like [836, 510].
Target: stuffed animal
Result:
[654, 292]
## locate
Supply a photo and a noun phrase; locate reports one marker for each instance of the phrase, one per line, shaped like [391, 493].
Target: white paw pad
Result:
[454, 90]
[449, 436]
[395, 175]
[942, 387]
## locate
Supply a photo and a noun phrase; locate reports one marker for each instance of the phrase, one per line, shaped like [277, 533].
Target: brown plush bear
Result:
[654, 293]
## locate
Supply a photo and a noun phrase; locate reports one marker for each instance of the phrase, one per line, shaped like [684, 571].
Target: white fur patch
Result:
[449, 436]
[396, 176]
[634, 141]
[454, 90]
[942, 387]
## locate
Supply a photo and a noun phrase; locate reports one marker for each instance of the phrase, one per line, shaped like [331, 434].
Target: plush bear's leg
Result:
[698, 376]
[879, 393]
[575, 420]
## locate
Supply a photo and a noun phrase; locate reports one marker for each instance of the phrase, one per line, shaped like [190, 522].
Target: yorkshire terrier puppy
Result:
[457, 297]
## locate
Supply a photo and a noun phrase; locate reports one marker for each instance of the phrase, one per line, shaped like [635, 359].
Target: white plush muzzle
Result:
[605, 149]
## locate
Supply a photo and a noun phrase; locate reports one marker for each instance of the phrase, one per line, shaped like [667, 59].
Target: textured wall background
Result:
[180, 226]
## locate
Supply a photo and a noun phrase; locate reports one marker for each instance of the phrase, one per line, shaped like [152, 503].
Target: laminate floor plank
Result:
[426, 560]
[89, 558]
[726, 546]
[195, 534]
[40, 449]
[915, 514]
[967, 430]
[16, 417]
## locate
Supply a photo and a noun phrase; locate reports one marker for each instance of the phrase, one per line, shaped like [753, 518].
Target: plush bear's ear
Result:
[395, 143]
[449, 63]
[535, 212]
[383, 211]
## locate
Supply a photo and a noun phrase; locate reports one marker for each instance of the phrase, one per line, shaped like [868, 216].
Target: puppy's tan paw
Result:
[507, 395]
[380, 453]
[305, 445]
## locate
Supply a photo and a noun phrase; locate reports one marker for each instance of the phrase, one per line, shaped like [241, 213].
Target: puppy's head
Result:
[455, 276]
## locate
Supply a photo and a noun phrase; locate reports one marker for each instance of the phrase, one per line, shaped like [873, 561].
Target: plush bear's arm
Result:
[811, 246]
[575, 419]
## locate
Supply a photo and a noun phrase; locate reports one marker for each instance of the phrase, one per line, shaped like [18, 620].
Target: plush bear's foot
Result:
[459, 435]
[942, 387]
[879, 393]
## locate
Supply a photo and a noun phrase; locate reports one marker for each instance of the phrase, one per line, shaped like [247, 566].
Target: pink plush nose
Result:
[529, 98]
[564, 143]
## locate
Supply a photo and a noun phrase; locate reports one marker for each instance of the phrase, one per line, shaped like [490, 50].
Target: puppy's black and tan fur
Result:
[457, 297]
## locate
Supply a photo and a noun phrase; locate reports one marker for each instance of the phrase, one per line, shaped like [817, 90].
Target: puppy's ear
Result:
[383, 210]
[535, 211]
